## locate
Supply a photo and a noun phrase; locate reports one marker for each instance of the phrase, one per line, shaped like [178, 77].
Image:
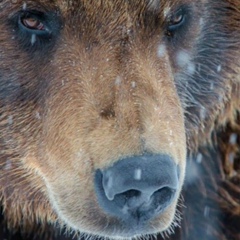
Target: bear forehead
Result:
[68, 7]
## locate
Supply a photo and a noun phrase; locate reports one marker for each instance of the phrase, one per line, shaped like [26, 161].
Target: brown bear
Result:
[105, 105]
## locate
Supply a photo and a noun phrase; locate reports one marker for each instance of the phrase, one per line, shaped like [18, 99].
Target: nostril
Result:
[130, 194]
[135, 199]
[128, 198]
[163, 197]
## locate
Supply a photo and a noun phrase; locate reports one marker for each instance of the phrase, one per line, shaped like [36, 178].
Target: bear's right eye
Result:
[176, 20]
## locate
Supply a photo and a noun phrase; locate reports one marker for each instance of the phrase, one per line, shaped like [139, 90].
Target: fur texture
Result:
[85, 83]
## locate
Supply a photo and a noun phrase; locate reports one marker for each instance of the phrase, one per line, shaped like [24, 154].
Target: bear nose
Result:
[137, 188]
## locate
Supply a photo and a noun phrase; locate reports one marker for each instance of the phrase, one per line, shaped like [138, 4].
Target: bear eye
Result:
[32, 23]
[176, 20]
[36, 30]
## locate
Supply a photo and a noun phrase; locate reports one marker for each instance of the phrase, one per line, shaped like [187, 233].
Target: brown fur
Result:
[98, 93]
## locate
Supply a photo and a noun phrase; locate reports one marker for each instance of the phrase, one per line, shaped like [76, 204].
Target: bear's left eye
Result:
[36, 30]
[32, 23]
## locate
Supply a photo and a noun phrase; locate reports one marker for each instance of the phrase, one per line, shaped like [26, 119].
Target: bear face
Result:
[88, 85]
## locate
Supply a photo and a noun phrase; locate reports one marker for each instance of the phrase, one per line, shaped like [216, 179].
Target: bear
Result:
[119, 119]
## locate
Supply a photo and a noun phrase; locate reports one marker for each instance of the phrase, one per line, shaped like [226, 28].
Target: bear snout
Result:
[137, 189]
